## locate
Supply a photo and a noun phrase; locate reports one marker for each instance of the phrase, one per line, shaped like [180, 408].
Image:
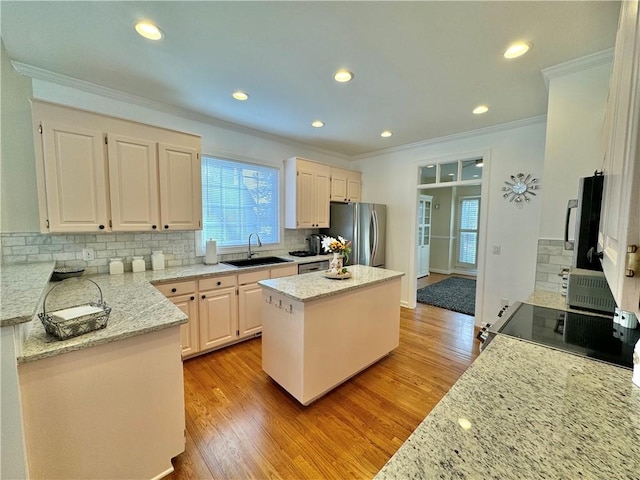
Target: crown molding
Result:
[456, 136]
[64, 80]
[577, 65]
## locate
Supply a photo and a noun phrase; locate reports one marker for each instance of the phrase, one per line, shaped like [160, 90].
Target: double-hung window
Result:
[238, 199]
[468, 231]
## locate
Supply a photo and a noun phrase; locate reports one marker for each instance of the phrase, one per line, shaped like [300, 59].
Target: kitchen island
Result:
[318, 332]
[524, 411]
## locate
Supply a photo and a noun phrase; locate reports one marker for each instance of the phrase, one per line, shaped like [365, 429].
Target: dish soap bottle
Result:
[157, 260]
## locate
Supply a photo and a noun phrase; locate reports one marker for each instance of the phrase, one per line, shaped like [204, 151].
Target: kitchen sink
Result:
[252, 262]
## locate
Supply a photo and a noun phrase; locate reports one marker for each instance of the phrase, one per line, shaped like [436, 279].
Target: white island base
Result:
[310, 347]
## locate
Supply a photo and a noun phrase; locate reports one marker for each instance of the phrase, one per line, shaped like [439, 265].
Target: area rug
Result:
[453, 293]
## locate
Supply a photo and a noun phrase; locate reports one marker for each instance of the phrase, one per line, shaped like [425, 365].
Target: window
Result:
[237, 199]
[468, 230]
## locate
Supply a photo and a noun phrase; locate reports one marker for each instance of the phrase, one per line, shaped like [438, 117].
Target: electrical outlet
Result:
[496, 249]
[88, 254]
[504, 302]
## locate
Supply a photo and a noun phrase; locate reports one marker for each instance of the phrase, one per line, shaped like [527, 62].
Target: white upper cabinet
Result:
[619, 232]
[99, 173]
[307, 194]
[180, 187]
[346, 185]
[75, 196]
[133, 173]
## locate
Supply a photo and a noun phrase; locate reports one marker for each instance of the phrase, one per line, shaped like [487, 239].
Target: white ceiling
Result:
[420, 67]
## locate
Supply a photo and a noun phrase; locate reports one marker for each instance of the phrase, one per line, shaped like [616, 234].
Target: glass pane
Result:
[419, 234]
[420, 210]
[427, 214]
[472, 169]
[426, 236]
[448, 172]
[428, 174]
[467, 253]
[469, 209]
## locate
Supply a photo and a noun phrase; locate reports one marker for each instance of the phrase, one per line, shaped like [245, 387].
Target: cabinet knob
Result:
[101, 227]
[174, 290]
[154, 227]
[219, 283]
[193, 298]
[204, 296]
[166, 227]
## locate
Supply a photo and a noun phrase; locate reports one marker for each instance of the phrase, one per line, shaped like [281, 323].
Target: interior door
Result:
[424, 234]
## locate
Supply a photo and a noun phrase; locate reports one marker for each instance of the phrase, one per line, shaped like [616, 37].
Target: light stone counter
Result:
[21, 289]
[312, 286]
[556, 300]
[137, 307]
[533, 413]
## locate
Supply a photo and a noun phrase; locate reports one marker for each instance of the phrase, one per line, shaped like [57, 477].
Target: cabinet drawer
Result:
[216, 282]
[287, 271]
[177, 288]
[253, 277]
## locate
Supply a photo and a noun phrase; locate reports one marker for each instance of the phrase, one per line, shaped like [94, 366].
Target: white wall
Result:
[18, 200]
[392, 178]
[574, 149]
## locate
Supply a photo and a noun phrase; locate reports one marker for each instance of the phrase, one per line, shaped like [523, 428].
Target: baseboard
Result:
[440, 270]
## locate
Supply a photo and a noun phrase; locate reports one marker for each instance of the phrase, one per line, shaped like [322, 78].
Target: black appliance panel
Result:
[587, 335]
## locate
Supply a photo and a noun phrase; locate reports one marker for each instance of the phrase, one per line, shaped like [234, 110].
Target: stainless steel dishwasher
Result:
[313, 266]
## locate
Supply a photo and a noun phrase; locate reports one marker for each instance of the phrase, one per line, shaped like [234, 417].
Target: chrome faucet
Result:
[250, 253]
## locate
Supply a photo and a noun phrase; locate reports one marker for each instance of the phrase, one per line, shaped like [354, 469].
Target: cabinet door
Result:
[75, 177]
[305, 198]
[338, 186]
[323, 198]
[354, 187]
[133, 182]
[180, 188]
[249, 309]
[188, 331]
[218, 317]
[620, 222]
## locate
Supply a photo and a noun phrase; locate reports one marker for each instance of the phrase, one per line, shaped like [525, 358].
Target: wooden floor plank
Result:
[241, 424]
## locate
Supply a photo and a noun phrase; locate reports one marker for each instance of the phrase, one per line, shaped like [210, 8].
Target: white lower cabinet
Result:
[221, 309]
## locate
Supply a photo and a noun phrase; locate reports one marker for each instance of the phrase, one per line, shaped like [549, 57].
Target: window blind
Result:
[468, 238]
[238, 199]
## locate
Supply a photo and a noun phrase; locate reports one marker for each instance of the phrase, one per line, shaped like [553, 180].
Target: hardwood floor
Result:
[241, 424]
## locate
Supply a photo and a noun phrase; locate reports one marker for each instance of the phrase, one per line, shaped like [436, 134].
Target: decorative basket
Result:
[78, 320]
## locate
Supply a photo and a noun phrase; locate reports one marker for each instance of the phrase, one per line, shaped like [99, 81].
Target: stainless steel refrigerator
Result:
[365, 225]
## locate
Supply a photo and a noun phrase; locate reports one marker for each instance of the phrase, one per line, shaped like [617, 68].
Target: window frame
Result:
[200, 241]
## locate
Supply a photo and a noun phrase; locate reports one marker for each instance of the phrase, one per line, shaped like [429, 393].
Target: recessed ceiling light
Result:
[148, 30]
[480, 109]
[386, 134]
[317, 124]
[430, 166]
[240, 95]
[343, 76]
[452, 174]
[480, 163]
[517, 49]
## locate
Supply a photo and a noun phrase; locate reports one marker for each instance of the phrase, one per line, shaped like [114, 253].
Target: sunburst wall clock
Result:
[520, 188]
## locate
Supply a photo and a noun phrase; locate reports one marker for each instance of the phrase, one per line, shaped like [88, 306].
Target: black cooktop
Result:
[587, 335]
[302, 253]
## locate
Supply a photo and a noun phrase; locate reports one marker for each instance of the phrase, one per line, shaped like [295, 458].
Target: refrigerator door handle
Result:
[374, 250]
[571, 204]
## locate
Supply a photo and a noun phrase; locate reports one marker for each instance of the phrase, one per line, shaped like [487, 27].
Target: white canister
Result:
[636, 365]
[157, 260]
[211, 254]
[116, 267]
[137, 265]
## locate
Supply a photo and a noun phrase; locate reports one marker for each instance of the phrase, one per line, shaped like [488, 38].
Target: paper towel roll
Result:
[211, 256]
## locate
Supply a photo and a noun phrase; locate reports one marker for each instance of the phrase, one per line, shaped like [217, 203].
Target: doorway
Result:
[424, 235]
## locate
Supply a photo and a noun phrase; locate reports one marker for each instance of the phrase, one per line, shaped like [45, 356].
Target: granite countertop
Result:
[524, 411]
[136, 306]
[21, 289]
[312, 286]
[557, 301]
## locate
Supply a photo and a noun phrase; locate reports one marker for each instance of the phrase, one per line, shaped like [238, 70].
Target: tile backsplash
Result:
[552, 258]
[66, 250]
